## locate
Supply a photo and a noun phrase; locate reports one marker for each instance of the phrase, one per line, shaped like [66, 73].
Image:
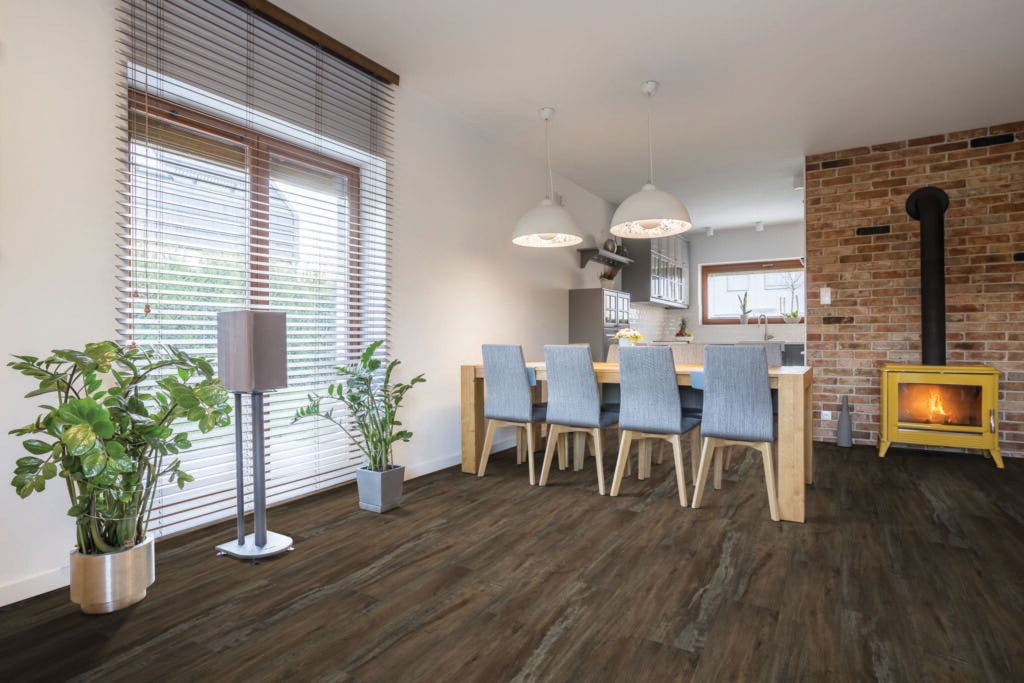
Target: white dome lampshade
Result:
[547, 225]
[650, 212]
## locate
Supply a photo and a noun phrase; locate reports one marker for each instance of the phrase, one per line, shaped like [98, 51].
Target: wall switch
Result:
[825, 296]
[826, 415]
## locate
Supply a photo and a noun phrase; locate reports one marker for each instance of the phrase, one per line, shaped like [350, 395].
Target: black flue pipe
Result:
[928, 205]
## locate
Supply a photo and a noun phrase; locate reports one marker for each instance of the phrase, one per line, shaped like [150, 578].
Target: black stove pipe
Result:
[928, 205]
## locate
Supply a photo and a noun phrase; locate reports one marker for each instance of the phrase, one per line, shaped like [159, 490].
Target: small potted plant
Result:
[682, 333]
[107, 432]
[790, 314]
[745, 309]
[628, 336]
[371, 402]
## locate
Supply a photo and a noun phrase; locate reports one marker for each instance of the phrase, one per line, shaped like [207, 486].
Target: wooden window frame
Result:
[739, 268]
[260, 147]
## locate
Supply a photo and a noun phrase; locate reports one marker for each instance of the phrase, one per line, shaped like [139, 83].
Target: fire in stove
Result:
[940, 404]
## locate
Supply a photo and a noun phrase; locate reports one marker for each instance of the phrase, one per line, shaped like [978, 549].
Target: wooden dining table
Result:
[795, 451]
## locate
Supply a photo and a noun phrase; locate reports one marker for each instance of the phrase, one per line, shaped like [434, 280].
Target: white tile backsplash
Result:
[655, 322]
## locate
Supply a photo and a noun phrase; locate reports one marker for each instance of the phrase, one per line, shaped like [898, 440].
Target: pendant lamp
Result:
[547, 225]
[650, 212]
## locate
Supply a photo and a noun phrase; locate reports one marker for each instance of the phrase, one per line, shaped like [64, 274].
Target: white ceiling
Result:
[747, 88]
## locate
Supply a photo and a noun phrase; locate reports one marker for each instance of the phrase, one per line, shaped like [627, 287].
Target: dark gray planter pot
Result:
[380, 491]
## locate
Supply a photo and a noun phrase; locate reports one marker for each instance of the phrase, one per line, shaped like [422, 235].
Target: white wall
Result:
[731, 246]
[57, 218]
[458, 280]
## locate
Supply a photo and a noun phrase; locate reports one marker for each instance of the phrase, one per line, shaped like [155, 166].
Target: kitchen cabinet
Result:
[595, 315]
[660, 273]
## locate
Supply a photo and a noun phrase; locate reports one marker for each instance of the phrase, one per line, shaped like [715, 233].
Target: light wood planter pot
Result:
[106, 583]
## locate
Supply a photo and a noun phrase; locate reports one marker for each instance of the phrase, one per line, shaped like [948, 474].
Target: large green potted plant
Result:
[106, 430]
[371, 401]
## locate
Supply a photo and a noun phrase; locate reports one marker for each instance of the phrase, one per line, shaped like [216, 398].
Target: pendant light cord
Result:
[547, 160]
[650, 144]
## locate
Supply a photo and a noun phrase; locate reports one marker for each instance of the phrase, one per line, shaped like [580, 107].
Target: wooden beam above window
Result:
[314, 35]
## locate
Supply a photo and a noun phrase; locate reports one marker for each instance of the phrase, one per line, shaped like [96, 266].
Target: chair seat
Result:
[539, 413]
[608, 417]
[733, 434]
[688, 423]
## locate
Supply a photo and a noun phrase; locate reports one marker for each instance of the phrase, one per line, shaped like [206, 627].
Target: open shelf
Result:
[602, 256]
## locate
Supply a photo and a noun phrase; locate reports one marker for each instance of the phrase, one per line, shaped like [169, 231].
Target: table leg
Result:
[792, 443]
[472, 419]
[808, 438]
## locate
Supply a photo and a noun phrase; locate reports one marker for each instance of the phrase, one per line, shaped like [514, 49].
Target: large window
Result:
[772, 288]
[257, 178]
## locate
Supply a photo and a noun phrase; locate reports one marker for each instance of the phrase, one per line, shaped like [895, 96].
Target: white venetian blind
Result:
[256, 175]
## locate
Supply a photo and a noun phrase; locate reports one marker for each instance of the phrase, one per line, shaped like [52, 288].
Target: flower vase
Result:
[626, 342]
[743, 318]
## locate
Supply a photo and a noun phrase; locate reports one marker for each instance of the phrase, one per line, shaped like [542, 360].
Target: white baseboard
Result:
[35, 585]
[422, 467]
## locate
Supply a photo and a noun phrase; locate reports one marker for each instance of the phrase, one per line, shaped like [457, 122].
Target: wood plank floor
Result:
[909, 568]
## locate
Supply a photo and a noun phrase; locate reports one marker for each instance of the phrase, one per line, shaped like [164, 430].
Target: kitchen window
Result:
[772, 288]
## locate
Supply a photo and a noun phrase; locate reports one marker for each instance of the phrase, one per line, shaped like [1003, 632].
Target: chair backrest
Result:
[572, 387]
[650, 394]
[737, 398]
[508, 396]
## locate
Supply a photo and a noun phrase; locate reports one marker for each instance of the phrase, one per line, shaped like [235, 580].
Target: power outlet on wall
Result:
[826, 415]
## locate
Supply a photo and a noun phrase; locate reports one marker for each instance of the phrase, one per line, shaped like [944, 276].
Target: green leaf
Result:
[81, 360]
[79, 438]
[184, 374]
[93, 463]
[103, 354]
[49, 470]
[37, 447]
[29, 461]
[39, 483]
[115, 449]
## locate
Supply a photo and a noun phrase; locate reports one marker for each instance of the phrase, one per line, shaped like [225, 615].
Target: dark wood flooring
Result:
[909, 568]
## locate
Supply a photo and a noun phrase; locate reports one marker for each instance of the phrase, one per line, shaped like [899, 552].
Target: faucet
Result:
[759, 321]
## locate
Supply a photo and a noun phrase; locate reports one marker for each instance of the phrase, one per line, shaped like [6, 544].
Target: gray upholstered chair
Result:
[651, 409]
[508, 399]
[737, 411]
[574, 404]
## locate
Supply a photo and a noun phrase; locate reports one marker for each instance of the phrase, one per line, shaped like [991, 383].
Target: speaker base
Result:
[276, 544]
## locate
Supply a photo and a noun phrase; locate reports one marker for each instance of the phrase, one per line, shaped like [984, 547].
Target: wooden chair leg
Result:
[706, 453]
[598, 448]
[694, 452]
[563, 451]
[662, 445]
[677, 454]
[769, 478]
[488, 442]
[530, 447]
[719, 456]
[579, 450]
[625, 437]
[521, 445]
[643, 458]
[553, 431]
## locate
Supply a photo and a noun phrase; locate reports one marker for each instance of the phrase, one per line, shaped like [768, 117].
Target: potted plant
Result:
[682, 333]
[792, 313]
[107, 432]
[745, 309]
[371, 402]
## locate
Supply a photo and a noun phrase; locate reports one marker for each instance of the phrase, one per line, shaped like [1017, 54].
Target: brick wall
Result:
[875, 316]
